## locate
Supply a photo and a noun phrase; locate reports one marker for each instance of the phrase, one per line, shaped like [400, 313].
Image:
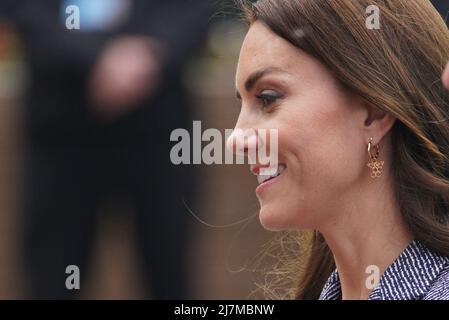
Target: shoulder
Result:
[439, 289]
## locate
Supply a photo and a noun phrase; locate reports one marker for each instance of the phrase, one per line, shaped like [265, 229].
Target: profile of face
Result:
[322, 131]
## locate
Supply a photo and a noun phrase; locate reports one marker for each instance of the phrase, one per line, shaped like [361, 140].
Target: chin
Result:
[272, 220]
[282, 219]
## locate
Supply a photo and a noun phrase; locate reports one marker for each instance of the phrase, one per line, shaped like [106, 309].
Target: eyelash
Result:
[267, 99]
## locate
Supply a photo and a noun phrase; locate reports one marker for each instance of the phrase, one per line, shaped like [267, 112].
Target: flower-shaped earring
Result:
[374, 163]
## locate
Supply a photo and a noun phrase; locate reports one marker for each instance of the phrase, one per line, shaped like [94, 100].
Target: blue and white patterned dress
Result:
[417, 274]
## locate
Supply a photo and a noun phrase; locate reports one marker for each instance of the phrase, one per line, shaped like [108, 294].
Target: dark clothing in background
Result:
[74, 161]
[443, 7]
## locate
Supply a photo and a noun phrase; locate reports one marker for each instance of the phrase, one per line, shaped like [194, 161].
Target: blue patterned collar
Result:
[409, 277]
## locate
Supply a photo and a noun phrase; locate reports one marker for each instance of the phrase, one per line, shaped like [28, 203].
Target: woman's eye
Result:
[268, 97]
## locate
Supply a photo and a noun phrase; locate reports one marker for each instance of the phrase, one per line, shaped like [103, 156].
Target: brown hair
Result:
[396, 68]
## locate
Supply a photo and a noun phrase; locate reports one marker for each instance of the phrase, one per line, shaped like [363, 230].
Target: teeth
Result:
[262, 178]
[281, 168]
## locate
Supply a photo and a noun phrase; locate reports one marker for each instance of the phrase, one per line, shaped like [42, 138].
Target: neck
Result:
[369, 232]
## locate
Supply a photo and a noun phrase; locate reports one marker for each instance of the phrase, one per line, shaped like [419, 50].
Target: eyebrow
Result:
[256, 76]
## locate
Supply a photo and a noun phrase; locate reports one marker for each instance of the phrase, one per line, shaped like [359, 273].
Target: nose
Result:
[244, 142]
[260, 146]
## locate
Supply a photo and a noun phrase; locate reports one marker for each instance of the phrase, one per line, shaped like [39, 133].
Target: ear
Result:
[377, 123]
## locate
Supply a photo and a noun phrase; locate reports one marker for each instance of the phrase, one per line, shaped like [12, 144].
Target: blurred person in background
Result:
[103, 96]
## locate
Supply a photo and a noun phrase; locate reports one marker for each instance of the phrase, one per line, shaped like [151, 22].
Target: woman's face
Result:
[320, 131]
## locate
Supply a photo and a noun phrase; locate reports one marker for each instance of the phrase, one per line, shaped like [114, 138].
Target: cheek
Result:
[322, 146]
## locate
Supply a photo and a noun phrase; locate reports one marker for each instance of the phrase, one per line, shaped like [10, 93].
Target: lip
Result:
[263, 186]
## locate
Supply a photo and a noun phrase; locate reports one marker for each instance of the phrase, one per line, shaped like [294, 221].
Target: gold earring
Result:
[374, 163]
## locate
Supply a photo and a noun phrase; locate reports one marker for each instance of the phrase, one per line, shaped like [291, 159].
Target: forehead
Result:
[262, 48]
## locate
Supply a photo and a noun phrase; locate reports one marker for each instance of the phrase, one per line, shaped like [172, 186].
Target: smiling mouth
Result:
[265, 178]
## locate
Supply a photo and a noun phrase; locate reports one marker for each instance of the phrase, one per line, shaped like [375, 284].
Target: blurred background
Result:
[85, 174]
[86, 111]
